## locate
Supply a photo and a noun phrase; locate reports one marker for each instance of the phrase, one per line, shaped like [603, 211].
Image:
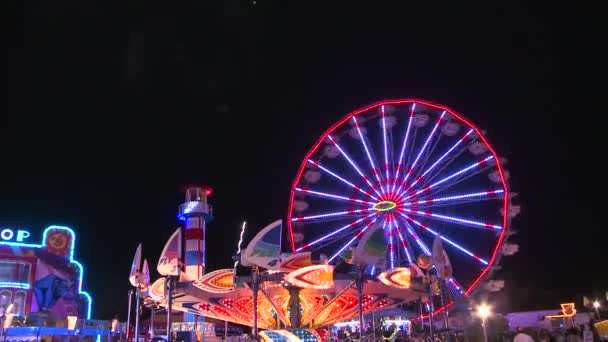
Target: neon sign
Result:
[45, 235]
[8, 234]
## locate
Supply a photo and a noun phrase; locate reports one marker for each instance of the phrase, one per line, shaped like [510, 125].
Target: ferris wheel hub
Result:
[384, 206]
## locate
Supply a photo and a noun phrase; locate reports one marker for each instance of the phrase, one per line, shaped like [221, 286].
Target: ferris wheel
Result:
[416, 170]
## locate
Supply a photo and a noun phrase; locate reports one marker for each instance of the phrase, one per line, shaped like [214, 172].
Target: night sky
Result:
[111, 109]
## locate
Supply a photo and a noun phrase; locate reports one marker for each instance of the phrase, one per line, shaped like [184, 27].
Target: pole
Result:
[360, 300]
[597, 312]
[129, 315]
[255, 303]
[225, 330]
[446, 318]
[152, 315]
[169, 293]
[485, 331]
[431, 308]
[137, 296]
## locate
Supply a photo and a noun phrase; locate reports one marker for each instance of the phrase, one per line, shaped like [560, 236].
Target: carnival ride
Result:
[372, 194]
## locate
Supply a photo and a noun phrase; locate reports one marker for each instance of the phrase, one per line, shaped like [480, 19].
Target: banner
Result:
[265, 248]
[134, 275]
[371, 250]
[169, 262]
[441, 260]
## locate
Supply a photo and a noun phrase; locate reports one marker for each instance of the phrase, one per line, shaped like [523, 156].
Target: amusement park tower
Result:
[195, 212]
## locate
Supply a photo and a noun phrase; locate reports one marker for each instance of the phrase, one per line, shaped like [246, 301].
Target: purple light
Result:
[454, 197]
[407, 253]
[440, 159]
[352, 163]
[447, 178]
[351, 241]
[336, 232]
[386, 166]
[339, 213]
[422, 149]
[369, 157]
[387, 222]
[328, 195]
[418, 241]
[452, 243]
[407, 134]
[452, 218]
[342, 179]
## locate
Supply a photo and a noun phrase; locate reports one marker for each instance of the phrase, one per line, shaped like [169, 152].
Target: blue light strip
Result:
[71, 259]
[13, 285]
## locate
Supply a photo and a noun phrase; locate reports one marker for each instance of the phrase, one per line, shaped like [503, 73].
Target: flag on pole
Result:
[441, 260]
[135, 274]
[145, 274]
[264, 250]
[169, 262]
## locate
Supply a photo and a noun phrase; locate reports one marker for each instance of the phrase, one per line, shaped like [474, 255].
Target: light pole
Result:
[484, 311]
[596, 305]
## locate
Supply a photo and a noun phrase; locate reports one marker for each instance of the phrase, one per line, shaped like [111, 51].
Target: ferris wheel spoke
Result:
[333, 196]
[335, 175]
[453, 219]
[386, 160]
[474, 166]
[352, 163]
[351, 241]
[447, 240]
[405, 140]
[369, 156]
[422, 150]
[332, 215]
[438, 161]
[391, 247]
[456, 286]
[454, 199]
[337, 231]
[403, 243]
[417, 239]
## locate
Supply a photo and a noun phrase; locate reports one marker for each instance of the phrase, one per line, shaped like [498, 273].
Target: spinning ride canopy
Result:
[417, 171]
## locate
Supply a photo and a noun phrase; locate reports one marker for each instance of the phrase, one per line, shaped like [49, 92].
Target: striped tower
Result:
[195, 213]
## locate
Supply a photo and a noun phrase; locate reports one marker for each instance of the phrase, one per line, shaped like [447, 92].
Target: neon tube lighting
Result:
[386, 165]
[14, 285]
[452, 218]
[342, 179]
[335, 232]
[418, 241]
[422, 149]
[447, 178]
[454, 197]
[452, 243]
[369, 156]
[407, 253]
[71, 259]
[352, 163]
[339, 213]
[440, 159]
[407, 134]
[351, 241]
[328, 195]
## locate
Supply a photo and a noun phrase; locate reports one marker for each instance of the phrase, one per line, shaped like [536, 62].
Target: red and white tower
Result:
[195, 212]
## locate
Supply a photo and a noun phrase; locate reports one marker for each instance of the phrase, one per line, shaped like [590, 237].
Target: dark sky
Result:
[111, 108]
